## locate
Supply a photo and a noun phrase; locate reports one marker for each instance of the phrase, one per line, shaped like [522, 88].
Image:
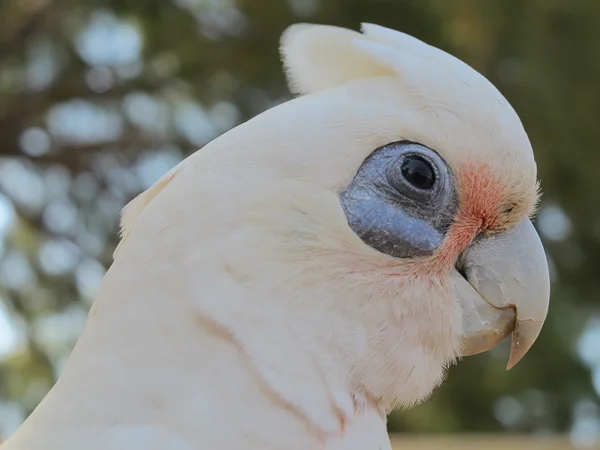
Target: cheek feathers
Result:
[481, 196]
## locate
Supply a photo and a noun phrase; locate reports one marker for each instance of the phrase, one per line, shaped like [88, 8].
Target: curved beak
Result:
[505, 289]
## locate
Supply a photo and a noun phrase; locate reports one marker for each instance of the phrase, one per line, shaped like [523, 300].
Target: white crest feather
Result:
[134, 208]
[402, 41]
[318, 57]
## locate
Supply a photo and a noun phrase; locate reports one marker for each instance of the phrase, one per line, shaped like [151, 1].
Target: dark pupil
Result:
[418, 172]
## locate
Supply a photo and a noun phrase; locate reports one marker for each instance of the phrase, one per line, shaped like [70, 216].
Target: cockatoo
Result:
[303, 274]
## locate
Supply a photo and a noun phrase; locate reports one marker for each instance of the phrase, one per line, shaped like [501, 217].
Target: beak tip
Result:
[525, 334]
[512, 362]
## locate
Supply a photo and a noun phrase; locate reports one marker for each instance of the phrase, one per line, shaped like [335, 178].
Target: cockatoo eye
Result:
[418, 172]
[402, 200]
[415, 173]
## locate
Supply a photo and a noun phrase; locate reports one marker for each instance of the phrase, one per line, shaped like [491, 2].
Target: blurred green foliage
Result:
[88, 120]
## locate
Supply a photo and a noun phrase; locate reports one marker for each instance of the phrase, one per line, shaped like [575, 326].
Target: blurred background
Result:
[99, 98]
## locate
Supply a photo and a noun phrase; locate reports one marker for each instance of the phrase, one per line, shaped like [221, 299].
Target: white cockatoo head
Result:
[356, 240]
[304, 273]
